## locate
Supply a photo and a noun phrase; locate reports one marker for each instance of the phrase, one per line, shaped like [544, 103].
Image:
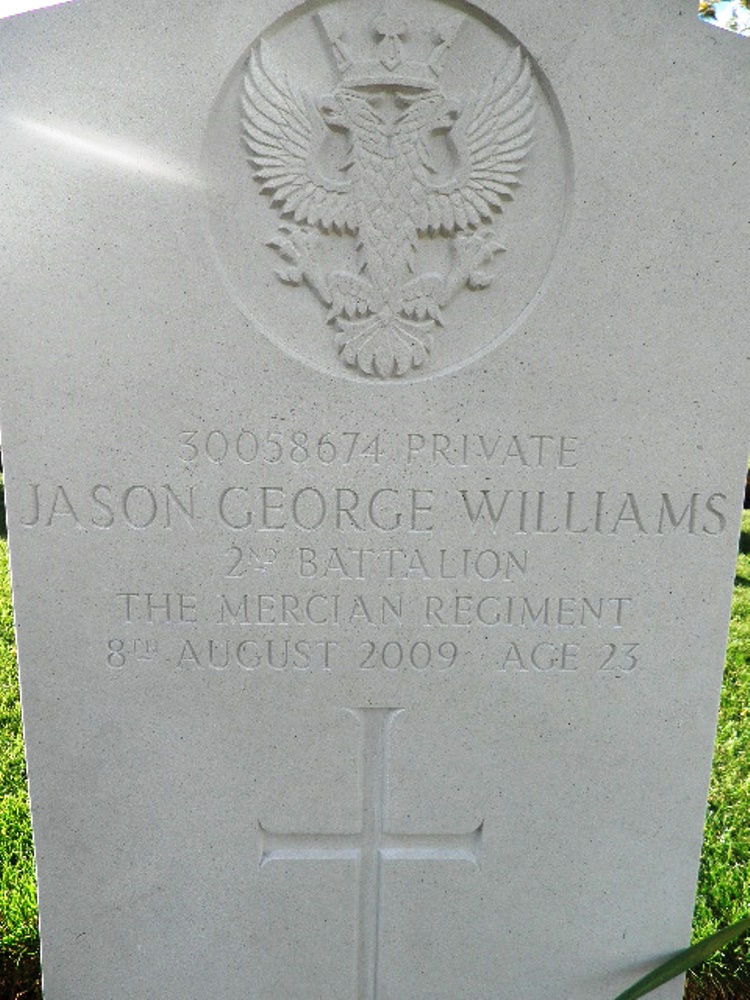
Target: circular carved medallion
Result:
[387, 185]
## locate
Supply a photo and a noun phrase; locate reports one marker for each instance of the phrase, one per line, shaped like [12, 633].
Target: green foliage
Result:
[18, 916]
[722, 952]
[724, 882]
[685, 960]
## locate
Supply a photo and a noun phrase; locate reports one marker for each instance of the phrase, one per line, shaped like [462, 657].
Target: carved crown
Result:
[391, 50]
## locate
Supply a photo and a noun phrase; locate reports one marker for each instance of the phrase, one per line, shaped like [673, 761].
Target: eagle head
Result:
[348, 109]
[426, 111]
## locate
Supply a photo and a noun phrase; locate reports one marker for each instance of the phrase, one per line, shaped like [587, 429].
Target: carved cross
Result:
[372, 846]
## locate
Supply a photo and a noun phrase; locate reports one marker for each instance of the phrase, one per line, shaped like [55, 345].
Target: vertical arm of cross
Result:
[375, 726]
[371, 846]
[378, 845]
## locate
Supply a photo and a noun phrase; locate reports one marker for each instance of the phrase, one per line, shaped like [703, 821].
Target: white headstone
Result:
[374, 417]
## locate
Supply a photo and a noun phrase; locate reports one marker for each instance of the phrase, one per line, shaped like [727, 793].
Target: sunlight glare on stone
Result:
[10, 7]
[128, 156]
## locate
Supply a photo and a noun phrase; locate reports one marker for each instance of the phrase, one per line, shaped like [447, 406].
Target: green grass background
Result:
[724, 882]
[724, 886]
[18, 917]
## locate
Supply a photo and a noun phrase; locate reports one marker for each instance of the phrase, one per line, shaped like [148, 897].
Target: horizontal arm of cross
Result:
[433, 846]
[308, 846]
[392, 846]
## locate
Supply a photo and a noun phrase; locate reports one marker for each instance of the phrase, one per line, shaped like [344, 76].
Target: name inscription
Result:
[309, 508]
[366, 576]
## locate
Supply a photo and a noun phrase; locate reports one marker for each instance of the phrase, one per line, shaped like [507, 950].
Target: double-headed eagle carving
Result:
[416, 165]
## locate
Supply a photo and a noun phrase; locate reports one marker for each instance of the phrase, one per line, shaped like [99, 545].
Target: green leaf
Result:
[685, 960]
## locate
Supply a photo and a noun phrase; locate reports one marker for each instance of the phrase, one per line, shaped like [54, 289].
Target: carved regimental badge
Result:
[385, 188]
[397, 160]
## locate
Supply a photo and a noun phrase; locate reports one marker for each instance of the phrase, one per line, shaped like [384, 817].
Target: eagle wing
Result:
[492, 137]
[282, 133]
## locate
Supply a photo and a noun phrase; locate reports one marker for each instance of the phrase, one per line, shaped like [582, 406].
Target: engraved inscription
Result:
[371, 846]
[122, 652]
[383, 658]
[272, 447]
[103, 506]
[512, 451]
[356, 574]
[433, 611]
[293, 447]
[599, 512]
[393, 187]
[411, 564]
[418, 510]
[274, 508]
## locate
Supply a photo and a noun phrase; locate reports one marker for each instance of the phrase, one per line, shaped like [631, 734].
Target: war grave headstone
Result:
[374, 423]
